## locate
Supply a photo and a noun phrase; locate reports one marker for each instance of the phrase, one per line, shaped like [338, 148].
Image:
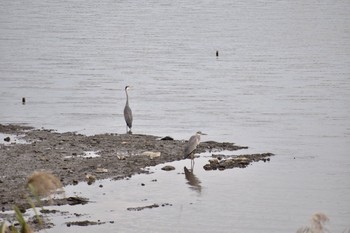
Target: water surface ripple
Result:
[281, 84]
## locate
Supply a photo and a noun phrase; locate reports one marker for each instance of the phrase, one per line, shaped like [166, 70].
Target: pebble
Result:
[90, 179]
[151, 154]
[101, 170]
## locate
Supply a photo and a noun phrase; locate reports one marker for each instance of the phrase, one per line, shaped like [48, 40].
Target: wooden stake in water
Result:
[23, 100]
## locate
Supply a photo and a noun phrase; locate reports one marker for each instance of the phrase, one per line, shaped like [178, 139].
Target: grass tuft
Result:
[25, 228]
[44, 184]
[318, 221]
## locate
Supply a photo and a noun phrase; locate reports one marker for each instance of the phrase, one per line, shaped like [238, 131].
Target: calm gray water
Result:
[281, 84]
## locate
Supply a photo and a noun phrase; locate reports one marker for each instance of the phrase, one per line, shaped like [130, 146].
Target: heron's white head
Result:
[200, 133]
[127, 88]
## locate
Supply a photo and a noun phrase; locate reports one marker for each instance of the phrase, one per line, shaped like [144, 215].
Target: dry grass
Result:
[41, 184]
[318, 221]
[44, 184]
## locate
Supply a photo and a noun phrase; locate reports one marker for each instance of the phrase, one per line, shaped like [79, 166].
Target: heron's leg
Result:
[192, 160]
[192, 165]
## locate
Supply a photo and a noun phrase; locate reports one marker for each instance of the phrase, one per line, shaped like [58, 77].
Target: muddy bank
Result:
[75, 158]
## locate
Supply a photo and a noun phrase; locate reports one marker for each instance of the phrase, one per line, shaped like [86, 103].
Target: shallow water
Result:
[281, 84]
[8, 139]
[185, 200]
[208, 201]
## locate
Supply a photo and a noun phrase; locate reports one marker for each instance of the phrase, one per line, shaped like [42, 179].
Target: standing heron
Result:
[192, 145]
[127, 112]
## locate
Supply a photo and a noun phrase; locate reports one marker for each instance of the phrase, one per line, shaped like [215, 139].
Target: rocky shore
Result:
[75, 158]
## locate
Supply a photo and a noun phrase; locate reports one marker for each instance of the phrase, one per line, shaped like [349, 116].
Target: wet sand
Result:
[115, 156]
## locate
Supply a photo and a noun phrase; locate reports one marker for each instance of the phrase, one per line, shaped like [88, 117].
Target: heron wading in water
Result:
[127, 112]
[192, 145]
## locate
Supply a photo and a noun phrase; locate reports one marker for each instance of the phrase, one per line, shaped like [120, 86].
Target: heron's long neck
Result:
[127, 97]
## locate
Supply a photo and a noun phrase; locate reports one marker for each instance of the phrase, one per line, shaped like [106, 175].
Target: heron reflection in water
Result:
[192, 180]
[191, 146]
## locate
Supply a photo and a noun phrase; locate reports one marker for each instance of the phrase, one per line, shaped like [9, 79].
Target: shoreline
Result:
[113, 156]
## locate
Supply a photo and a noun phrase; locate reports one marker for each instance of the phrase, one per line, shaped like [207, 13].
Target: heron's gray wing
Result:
[128, 116]
[190, 146]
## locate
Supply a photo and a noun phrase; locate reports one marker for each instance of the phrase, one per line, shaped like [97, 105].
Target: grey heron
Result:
[127, 112]
[192, 145]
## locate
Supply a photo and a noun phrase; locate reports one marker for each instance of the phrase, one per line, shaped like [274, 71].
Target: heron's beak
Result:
[204, 134]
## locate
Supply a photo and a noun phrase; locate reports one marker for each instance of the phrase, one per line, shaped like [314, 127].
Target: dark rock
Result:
[166, 204]
[77, 200]
[167, 138]
[143, 207]
[207, 167]
[7, 139]
[221, 168]
[46, 211]
[168, 168]
[83, 223]
[118, 177]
